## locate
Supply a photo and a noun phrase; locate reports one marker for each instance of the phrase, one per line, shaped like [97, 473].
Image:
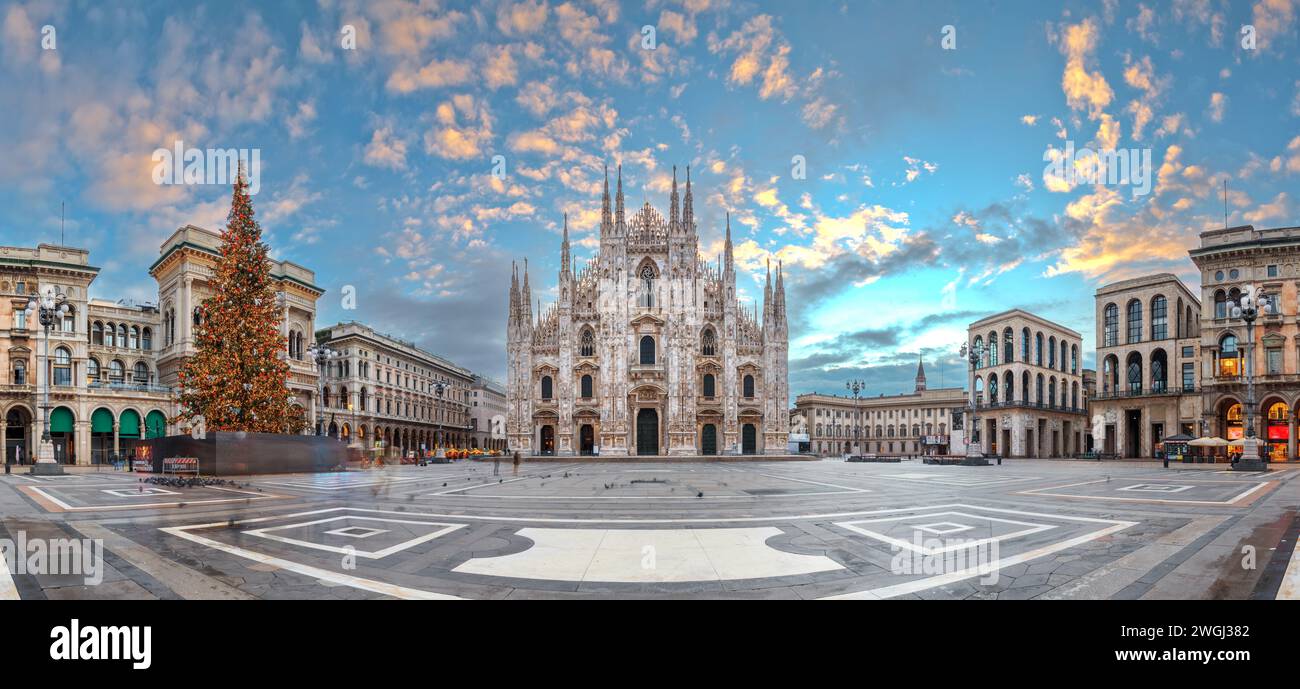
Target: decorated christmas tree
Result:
[237, 380]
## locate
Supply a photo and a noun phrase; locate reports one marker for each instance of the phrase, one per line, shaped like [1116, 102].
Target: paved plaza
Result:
[813, 530]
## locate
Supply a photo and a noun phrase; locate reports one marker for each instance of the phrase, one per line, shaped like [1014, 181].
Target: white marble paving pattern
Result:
[649, 555]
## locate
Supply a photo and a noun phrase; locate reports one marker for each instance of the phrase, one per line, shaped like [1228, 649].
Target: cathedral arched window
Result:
[587, 347]
[586, 386]
[710, 385]
[546, 387]
[647, 350]
[709, 343]
[647, 277]
[748, 388]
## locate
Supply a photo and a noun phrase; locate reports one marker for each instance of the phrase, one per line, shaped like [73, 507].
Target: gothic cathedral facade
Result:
[647, 350]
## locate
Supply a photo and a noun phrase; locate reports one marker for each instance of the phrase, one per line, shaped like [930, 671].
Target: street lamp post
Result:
[974, 453]
[1249, 310]
[856, 387]
[49, 309]
[440, 452]
[322, 355]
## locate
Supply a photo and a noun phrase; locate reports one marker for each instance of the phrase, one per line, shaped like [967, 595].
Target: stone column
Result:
[117, 441]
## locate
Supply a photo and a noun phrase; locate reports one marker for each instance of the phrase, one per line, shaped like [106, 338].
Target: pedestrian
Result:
[18, 454]
[496, 465]
[516, 462]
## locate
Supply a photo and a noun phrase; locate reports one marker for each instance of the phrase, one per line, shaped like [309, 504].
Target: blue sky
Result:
[925, 203]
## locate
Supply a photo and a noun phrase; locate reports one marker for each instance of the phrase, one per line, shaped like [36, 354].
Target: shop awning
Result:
[101, 421]
[129, 425]
[61, 420]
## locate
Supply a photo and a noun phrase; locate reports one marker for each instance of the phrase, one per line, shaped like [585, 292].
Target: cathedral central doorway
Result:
[749, 439]
[647, 432]
[586, 439]
[548, 440]
[709, 439]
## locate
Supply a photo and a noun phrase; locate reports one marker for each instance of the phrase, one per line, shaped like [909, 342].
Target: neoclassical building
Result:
[920, 422]
[1231, 260]
[101, 364]
[1148, 354]
[487, 413]
[389, 394]
[1028, 386]
[647, 350]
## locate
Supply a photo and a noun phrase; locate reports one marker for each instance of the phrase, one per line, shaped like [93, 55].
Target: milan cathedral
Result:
[647, 351]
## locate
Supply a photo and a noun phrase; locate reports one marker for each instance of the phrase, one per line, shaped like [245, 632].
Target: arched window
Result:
[1074, 359]
[993, 349]
[993, 389]
[20, 372]
[116, 371]
[1051, 391]
[110, 335]
[1110, 325]
[647, 350]
[1038, 349]
[710, 385]
[62, 366]
[1220, 304]
[708, 343]
[1024, 345]
[749, 386]
[146, 339]
[1051, 352]
[1159, 371]
[1134, 322]
[1038, 392]
[1229, 357]
[587, 346]
[1009, 382]
[647, 277]
[135, 337]
[92, 369]
[1024, 387]
[97, 333]
[1065, 353]
[140, 375]
[1008, 346]
[1134, 373]
[546, 387]
[1159, 318]
[1110, 374]
[586, 387]
[979, 344]
[122, 340]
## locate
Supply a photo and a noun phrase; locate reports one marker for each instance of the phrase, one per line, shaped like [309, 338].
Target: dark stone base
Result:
[47, 469]
[1250, 465]
[974, 462]
[884, 460]
[235, 454]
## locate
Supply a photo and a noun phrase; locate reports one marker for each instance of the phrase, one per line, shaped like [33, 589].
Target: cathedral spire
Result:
[920, 373]
[673, 204]
[728, 259]
[605, 218]
[526, 296]
[688, 206]
[564, 248]
[514, 291]
[618, 204]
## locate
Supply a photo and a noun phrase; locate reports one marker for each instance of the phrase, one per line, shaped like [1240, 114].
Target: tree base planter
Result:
[233, 454]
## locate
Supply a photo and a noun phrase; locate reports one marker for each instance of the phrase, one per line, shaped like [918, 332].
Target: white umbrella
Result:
[1209, 442]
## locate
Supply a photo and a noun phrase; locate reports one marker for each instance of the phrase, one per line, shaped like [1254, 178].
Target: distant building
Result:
[386, 393]
[920, 422]
[1028, 386]
[487, 414]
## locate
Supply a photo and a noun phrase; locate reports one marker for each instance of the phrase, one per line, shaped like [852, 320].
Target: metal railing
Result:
[1154, 391]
